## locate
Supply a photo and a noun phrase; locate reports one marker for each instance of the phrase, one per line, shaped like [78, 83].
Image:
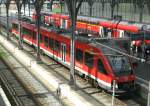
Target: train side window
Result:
[41, 40]
[51, 43]
[57, 46]
[34, 35]
[46, 41]
[79, 55]
[24, 31]
[15, 26]
[89, 59]
[63, 24]
[30, 33]
[100, 67]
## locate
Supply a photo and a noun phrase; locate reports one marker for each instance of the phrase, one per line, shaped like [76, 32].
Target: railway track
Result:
[62, 73]
[24, 88]
[17, 95]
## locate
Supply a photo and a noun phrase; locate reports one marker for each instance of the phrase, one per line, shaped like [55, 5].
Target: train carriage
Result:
[99, 64]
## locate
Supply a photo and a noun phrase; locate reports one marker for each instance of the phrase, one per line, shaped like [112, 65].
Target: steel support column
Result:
[38, 34]
[141, 12]
[135, 6]
[0, 16]
[148, 5]
[38, 5]
[29, 7]
[51, 3]
[7, 13]
[7, 4]
[148, 99]
[72, 66]
[90, 3]
[73, 9]
[24, 4]
[112, 5]
[141, 4]
[20, 42]
[20, 46]
[103, 6]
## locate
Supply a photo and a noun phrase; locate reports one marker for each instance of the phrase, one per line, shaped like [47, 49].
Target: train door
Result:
[66, 24]
[115, 33]
[63, 52]
[63, 24]
[101, 31]
[121, 33]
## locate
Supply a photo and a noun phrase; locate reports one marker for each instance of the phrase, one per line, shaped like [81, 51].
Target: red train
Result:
[104, 28]
[101, 65]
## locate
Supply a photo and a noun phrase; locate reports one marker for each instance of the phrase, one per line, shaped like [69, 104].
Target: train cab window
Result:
[100, 67]
[89, 59]
[57, 46]
[46, 41]
[51, 43]
[79, 55]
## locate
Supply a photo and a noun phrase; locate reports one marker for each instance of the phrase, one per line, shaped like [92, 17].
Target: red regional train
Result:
[104, 28]
[101, 65]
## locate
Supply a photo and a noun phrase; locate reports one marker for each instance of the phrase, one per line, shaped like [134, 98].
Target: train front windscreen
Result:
[120, 65]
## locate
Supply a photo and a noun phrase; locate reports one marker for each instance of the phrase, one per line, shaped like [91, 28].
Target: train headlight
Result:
[116, 85]
[147, 51]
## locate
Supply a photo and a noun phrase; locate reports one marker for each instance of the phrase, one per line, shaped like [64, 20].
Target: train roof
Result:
[106, 45]
[90, 19]
[123, 22]
[123, 25]
[112, 46]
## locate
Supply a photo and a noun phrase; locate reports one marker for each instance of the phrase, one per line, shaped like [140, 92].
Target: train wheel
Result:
[91, 81]
[96, 84]
[133, 49]
[86, 78]
[80, 74]
[42, 52]
[143, 56]
[100, 88]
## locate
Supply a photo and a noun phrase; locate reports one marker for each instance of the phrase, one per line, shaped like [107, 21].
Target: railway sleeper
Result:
[10, 92]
